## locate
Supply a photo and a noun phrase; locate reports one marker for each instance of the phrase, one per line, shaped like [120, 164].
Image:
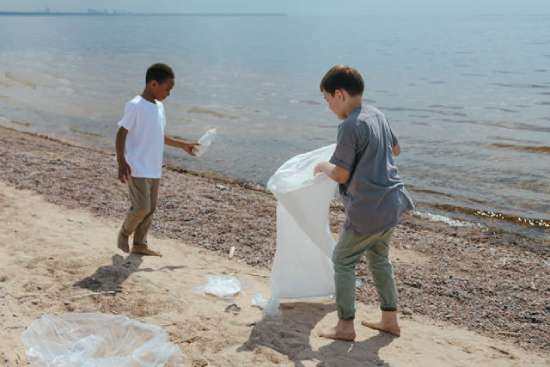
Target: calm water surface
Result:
[468, 97]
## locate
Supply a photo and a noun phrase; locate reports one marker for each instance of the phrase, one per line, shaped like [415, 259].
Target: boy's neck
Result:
[353, 103]
[147, 95]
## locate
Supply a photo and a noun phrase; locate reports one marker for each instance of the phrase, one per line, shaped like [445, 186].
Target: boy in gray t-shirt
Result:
[373, 194]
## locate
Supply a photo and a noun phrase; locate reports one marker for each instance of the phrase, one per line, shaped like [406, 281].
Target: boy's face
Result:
[336, 103]
[162, 90]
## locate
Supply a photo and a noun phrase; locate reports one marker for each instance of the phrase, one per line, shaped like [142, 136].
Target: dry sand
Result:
[54, 260]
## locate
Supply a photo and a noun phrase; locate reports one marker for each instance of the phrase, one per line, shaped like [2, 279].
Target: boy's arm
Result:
[186, 145]
[395, 147]
[338, 174]
[341, 164]
[396, 150]
[124, 170]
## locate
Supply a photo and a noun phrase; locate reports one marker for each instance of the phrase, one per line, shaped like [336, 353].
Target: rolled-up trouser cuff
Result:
[388, 308]
[347, 318]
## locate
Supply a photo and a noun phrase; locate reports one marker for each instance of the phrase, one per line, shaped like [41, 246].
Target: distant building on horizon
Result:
[95, 11]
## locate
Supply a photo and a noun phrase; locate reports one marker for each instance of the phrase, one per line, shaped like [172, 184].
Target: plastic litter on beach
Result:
[95, 339]
[221, 187]
[272, 308]
[221, 286]
[259, 301]
[205, 141]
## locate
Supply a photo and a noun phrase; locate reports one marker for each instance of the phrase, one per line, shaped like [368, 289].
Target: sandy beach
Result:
[469, 296]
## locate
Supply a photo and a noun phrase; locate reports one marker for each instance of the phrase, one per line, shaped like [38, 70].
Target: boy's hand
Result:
[124, 171]
[338, 174]
[190, 148]
[318, 168]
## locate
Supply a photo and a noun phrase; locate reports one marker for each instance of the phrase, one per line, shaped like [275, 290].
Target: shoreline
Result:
[524, 226]
[491, 282]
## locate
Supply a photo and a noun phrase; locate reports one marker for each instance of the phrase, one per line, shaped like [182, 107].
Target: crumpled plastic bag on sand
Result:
[220, 286]
[98, 340]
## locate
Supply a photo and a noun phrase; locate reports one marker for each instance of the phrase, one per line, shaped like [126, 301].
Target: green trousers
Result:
[346, 255]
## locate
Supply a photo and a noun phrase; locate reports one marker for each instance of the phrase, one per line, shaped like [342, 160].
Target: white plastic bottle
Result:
[205, 142]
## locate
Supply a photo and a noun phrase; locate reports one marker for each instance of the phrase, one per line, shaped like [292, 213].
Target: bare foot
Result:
[144, 250]
[392, 329]
[123, 242]
[344, 330]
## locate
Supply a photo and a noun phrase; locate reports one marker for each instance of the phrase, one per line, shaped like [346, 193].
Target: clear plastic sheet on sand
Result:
[98, 340]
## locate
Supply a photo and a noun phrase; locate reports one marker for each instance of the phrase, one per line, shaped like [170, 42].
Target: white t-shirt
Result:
[145, 122]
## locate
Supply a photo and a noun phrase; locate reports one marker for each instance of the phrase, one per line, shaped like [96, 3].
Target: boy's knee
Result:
[379, 262]
[336, 257]
[142, 211]
[342, 262]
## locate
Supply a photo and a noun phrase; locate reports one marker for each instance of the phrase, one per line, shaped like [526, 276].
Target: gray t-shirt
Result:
[374, 197]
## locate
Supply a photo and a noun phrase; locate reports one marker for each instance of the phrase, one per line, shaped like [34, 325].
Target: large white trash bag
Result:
[302, 266]
[98, 340]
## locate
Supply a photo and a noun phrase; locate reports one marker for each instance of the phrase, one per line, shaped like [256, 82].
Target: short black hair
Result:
[159, 72]
[343, 77]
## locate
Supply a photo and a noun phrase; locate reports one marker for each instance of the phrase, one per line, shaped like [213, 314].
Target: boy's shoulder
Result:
[140, 101]
[369, 110]
[132, 106]
[365, 114]
[134, 101]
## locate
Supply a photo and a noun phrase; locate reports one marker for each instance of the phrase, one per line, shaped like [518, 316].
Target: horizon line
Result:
[126, 13]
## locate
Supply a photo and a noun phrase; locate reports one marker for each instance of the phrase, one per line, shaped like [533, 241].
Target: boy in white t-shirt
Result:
[139, 148]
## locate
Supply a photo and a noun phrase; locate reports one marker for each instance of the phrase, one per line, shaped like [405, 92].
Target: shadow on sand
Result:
[109, 278]
[289, 334]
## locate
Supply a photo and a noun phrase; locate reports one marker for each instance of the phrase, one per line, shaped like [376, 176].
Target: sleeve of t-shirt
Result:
[128, 121]
[394, 140]
[346, 142]
[163, 116]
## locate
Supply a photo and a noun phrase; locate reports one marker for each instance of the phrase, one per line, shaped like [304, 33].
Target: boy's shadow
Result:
[109, 278]
[289, 334]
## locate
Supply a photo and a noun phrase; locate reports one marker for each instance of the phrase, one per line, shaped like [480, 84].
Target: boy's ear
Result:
[344, 94]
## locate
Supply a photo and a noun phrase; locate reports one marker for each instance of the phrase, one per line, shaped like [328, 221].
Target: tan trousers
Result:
[143, 198]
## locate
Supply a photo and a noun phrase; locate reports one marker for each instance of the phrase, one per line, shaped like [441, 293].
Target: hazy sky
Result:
[302, 7]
